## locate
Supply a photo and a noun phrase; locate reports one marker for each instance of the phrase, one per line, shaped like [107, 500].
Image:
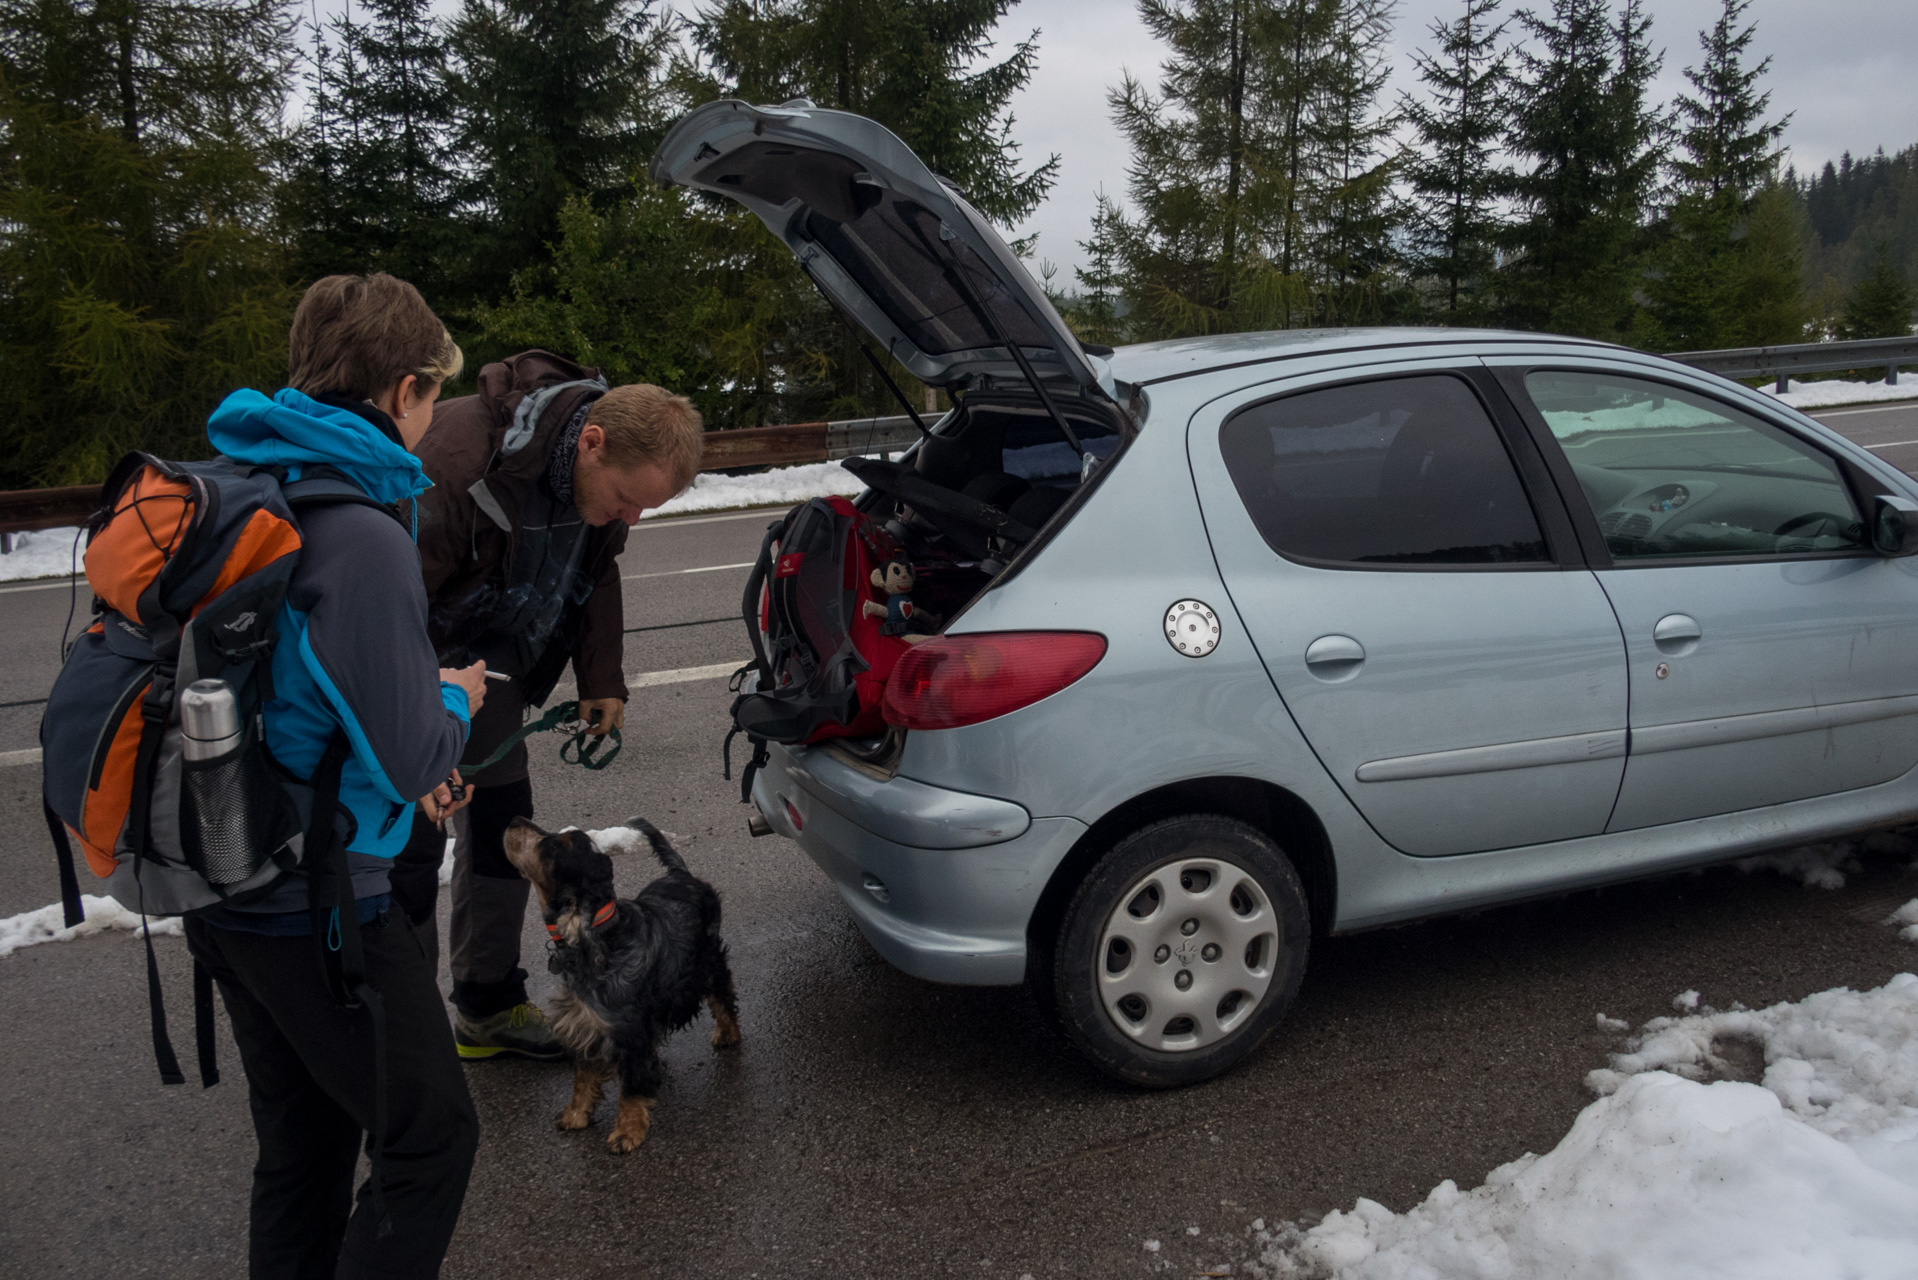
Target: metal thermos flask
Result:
[220, 842]
[209, 720]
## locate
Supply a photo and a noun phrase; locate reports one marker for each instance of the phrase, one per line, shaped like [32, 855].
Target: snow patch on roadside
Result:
[1817, 395]
[1816, 866]
[45, 553]
[1812, 1173]
[49, 553]
[47, 924]
[781, 486]
[1907, 916]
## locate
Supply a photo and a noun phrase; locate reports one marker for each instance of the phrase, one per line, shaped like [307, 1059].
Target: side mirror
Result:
[1894, 526]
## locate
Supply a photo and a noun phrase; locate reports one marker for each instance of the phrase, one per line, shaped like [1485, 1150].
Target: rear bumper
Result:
[941, 882]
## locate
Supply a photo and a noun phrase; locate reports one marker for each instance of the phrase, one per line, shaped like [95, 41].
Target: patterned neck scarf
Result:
[559, 468]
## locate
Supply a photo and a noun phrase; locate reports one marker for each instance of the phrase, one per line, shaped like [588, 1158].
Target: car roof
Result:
[1149, 362]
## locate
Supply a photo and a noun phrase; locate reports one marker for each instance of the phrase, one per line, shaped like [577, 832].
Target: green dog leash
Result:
[564, 718]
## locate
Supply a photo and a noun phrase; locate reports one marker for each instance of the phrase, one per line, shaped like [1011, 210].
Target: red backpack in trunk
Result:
[822, 661]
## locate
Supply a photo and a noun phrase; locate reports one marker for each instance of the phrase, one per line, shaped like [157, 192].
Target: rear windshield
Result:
[888, 243]
[894, 252]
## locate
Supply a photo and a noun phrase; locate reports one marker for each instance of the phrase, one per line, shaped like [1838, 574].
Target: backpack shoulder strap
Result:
[324, 487]
[333, 915]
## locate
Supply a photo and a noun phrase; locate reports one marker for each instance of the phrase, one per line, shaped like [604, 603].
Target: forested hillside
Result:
[174, 172]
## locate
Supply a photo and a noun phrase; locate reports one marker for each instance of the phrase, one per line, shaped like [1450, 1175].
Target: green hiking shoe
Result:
[522, 1029]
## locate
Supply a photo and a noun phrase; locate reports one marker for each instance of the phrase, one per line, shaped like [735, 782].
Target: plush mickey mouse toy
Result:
[902, 618]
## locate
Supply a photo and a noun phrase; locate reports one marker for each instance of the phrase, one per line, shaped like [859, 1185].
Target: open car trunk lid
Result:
[894, 246]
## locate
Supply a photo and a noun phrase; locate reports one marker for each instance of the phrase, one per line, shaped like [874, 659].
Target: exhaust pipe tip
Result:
[758, 826]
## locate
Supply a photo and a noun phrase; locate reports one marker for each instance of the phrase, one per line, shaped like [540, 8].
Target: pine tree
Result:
[1455, 222]
[1095, 315]
[138, 279]
[1292, 64]
[1196, 149]
[1355, 216]
[1257, 177]
[1591, 148]
[1880, 305]
[919, 67]
[1728, 153]
[372, 183]
[1768, 305]
[658, 288]
[553, 99]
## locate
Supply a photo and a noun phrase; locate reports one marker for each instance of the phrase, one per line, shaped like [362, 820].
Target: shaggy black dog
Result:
[634, 969]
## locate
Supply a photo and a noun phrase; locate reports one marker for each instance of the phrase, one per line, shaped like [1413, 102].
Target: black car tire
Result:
[1066, 978]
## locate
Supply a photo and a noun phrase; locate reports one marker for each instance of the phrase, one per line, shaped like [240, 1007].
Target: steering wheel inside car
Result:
[1840, 526]
[967, 521]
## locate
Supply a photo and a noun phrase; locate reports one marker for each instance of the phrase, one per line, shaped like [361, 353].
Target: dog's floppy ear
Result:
[522, 841]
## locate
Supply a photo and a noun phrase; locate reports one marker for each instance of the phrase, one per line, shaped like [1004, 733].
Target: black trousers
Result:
[309, 1073]
[489, 898]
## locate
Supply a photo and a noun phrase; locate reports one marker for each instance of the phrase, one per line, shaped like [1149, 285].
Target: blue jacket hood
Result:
[292, 429]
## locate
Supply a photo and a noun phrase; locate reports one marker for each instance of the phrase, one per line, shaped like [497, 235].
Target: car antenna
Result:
[893, 387]
[953, 273]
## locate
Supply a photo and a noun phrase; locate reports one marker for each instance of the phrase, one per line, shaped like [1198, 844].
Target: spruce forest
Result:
[174, 172]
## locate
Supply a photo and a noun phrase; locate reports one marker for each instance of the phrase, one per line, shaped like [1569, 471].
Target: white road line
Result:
[640, 680]
[674, 522]
[1906, 405]
[648, 679]
[683, 675]
[50, 584]
[674, 573]
[1890, 444]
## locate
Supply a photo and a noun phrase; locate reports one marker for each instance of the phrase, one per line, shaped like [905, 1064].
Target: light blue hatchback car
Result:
[1308, 632]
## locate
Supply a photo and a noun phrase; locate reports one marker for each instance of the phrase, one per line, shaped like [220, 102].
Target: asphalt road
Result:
[872, 1124]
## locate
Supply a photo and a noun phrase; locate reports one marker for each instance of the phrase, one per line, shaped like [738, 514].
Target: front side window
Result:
[1670, 473]
[1403, 471]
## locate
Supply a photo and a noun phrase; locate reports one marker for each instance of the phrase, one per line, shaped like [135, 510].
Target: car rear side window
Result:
[1403, 471]
[1670, 473]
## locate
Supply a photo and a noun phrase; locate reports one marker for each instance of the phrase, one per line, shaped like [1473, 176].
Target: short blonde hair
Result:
[644, 423]
[360, 335]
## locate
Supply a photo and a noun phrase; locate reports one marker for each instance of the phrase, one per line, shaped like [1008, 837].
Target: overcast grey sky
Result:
[1843, 68]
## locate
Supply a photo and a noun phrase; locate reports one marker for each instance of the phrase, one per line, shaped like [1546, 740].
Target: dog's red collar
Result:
[601, 918]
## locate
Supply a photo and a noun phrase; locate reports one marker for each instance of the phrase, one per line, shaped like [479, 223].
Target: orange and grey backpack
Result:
[189, 563]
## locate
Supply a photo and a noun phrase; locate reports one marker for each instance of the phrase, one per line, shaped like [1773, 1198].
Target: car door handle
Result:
[1334, 658]
[1677, 634]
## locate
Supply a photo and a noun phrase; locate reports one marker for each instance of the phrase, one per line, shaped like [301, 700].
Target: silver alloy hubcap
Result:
[1187, 954]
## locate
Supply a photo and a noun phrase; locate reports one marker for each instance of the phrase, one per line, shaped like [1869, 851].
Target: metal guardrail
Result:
[1805, 357]
[24, 510]
[871, 435]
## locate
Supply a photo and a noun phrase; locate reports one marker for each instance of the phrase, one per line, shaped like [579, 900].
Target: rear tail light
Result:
[958, 680]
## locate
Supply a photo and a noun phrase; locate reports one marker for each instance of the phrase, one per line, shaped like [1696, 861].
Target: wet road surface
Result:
[872, 1124]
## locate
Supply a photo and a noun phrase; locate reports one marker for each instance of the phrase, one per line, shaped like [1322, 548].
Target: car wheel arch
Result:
[1265, 806]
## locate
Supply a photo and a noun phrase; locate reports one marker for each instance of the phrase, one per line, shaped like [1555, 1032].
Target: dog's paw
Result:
[725, 1024]
[575, 1118]
[629, 1130]
[621, 1143]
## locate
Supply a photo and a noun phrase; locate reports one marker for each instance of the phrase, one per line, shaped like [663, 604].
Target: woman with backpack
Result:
[353, 672]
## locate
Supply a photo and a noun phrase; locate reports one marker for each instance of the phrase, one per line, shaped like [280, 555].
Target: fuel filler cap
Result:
[1192, 628]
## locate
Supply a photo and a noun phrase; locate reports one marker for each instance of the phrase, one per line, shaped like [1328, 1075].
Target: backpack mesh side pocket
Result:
[236, 815]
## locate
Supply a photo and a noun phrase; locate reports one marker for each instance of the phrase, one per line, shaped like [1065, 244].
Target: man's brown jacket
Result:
[464, 549]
